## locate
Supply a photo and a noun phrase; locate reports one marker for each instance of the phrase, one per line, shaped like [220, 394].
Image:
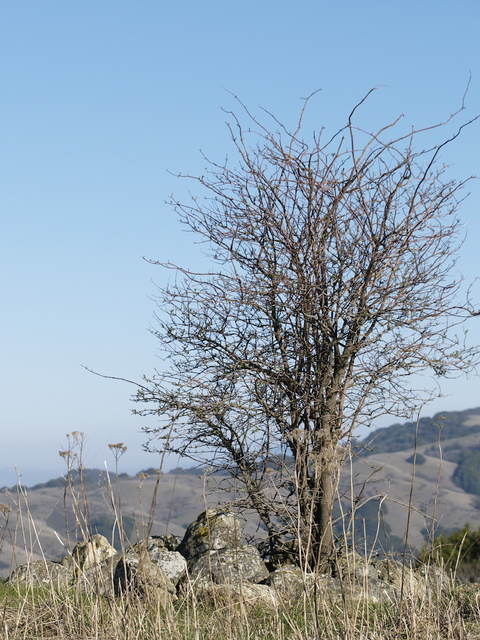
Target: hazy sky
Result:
[99, 101]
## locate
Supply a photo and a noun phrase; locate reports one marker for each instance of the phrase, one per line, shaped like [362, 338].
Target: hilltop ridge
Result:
[445, 481]
[401, 436]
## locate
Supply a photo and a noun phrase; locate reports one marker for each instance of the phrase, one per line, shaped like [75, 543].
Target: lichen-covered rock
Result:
[378, 591]
[227, 594]
[411, 580]
[170, 541]
[229, 566]
[389, 570]
[42, 573]
[88, 553]
[290, 580]
[395, 573]
[434, 576]
[172, 563]
[99, 578]
[142, 577]
[213, 530]
[156, 547]
[349, 564]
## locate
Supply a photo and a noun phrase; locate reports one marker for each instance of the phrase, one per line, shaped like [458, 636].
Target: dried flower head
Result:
[5, 509]
[119, 446]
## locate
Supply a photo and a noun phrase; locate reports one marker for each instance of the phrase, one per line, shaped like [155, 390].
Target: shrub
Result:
[458, 551]
[419, 459]
[467, 472]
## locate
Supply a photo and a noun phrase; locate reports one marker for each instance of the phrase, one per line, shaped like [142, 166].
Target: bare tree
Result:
[333, 284]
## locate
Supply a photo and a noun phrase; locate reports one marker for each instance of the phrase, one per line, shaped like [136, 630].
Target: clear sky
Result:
[99, 101]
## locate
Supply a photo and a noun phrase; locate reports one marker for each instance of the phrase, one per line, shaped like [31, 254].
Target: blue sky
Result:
[99, 101]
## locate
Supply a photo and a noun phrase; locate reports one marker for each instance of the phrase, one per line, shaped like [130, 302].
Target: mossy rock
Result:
[213, 530]
[42, 573]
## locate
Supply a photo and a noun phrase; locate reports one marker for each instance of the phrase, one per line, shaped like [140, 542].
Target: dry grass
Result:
[47, 613]
[431, 611]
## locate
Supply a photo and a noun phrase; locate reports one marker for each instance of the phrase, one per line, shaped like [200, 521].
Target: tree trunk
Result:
[323, 517]
[319, 526]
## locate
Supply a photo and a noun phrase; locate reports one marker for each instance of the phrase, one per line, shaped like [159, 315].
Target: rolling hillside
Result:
[431, 487]
[380, 470]
[37, 521]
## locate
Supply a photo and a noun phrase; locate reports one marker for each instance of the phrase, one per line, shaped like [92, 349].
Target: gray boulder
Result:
[88, 553]
[213, 530]
[158, 551]
[219, 595]
[99, 578]
[41, 573]
[351, 565]
[170, 541]
[390, 571]
[172, 563]
[395, 575]
[229, 566]
[289, 581]
[142, 577]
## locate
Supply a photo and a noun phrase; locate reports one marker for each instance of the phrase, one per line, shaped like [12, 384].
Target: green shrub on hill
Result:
[467, 472]
[458, 551]
[370, 529]
[418, 459]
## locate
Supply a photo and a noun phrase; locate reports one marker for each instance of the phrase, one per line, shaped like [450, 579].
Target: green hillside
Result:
[399, 437]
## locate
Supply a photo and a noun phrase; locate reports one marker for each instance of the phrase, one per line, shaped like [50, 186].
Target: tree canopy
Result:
[332, 282]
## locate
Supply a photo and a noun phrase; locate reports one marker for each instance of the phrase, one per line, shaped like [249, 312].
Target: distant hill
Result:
[447, 425]
[450, 429]
[443, 487]
[445, 481]
[38, 518]
[94, 477]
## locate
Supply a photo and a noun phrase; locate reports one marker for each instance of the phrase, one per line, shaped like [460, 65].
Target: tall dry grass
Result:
[438, 606]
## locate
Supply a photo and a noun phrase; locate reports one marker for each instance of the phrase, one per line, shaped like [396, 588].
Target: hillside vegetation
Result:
[432, 482]
[376, 486]
[399, 437]
[432, 467]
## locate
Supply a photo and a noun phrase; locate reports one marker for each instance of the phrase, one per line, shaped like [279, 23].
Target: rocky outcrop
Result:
[213, 548]
[220, 595]
[213, 530]
[161, 552]
[290, 581]
[212, 560]
[141, 576]
[88, 553]
[229, 566]
[41, 573]
[99, 578]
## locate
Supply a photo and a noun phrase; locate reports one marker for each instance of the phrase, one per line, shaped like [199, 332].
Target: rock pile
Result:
[211, 555]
